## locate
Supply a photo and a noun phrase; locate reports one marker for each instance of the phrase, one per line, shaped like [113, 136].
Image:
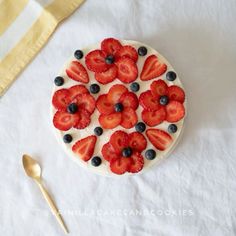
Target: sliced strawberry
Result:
[127, 70]
[159, 138]
[129, 99]
[107, 76]
[77, 90]
[174, 111]
[84, 148]
[61, 99]
[148, 101]
[152, 68]
[95, 61]
[120, 165]
[84, 119]
[103, 105]
[153, 118]
[158, 88]
[86, 101]
[137, 163]
[127, 51]
[110, 121]
[137, 141]
[64, 121]
[129, 118]
[110, 46]
[108, 152]
[176, 93]
[115, 93]
[77, 72]
[119, 140]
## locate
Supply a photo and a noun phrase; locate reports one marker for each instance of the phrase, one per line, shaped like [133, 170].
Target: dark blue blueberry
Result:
[164, 100]
[110, 59]
[127, 152]
[67, 138]
[59, 81]
[171, 75]
[142, 51]
[172, 128]
[72, 108]
[98, 131]
[96, 161]
[118, 107]
[78, 54]
[150, 154]
[134, 87]
[94, 88]
[140, 127]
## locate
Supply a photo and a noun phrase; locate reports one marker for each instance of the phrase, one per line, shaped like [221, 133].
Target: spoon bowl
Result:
[32, 167]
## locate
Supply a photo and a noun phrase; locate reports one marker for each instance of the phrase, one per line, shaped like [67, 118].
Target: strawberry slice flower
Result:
[123, 152]
[117, 107]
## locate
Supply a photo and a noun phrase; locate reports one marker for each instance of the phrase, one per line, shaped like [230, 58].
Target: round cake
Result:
[118, 107]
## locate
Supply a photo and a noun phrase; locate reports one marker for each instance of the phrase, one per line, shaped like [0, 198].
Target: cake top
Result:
[118, 107]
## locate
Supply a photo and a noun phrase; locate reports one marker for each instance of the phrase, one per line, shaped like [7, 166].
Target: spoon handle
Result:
[52, 206]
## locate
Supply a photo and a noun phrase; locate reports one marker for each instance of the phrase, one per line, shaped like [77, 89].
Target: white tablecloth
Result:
[191, 193]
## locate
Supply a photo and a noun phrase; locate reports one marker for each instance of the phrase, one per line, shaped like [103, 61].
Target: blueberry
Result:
[172, 128]
[72, 108]
[110, 59]
[94, 88]
[164, 100]
[171, 75]
[67, 138]
[134, 87]
[142, 51]
[127, 152]
[98, 131]
[140, 127]
[78, 54]
[96, 161]
[118, 107]
[59, 81]
[150, 154]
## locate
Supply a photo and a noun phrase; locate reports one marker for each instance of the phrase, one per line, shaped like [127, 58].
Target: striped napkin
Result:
[25, 26]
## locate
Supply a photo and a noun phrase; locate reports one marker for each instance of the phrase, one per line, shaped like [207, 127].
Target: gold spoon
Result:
[33, 170]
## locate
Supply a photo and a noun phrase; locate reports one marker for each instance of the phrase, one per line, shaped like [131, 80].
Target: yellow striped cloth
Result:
[25, 26]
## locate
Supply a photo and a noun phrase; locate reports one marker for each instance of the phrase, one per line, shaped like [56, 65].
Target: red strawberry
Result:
[152, 68]
[84, 119]
[61, 99]
[129, 118]
[107, 76]
[108, 152]
[110, 46]
[159, 138]
[148, 102]
[86, 101]
[104, 106]
[95, 61]
[77, 72]
[174, 111]
[137, 163]
[153, 118]
[176, 93]
[110, 121]
[129, 99]
[127, 51]
[115, 93]
[119, 140]
[127, 70]
[64, 121]
[84, 148]
[77, 90]
[137, 141]
[120, 165]
[158, 88]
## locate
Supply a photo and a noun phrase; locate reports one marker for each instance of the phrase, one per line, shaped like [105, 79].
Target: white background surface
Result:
[191, 193]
